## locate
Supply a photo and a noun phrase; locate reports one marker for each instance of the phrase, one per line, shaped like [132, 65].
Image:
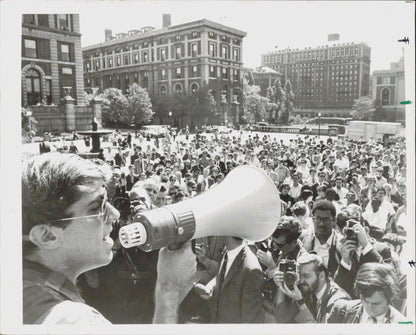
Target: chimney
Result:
[166, 20]
[108, 35]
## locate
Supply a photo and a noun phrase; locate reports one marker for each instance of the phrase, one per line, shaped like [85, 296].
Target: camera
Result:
[349, 232]
[289, 268]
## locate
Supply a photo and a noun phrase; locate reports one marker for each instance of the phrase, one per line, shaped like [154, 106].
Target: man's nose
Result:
[112, 214]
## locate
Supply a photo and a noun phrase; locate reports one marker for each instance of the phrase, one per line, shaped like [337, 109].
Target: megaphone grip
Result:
[162, 227]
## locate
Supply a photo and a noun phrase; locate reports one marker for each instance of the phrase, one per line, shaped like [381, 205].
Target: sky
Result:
[269, 25]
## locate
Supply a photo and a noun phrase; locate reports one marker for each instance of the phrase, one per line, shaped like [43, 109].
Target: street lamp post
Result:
[319, 126]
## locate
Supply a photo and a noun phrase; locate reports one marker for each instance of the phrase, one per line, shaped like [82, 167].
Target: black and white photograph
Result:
[225, 167]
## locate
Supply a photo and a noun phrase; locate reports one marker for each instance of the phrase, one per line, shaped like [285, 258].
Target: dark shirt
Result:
[44, 290]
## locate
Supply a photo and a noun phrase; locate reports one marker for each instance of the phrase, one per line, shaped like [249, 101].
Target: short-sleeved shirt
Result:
[49, 298]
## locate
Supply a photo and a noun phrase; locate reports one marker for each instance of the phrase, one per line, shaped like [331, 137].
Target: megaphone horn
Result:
[245, 204]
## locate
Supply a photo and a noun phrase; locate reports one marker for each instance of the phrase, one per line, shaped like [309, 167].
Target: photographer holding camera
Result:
[306, 293]
[356, 250]
[284, 247]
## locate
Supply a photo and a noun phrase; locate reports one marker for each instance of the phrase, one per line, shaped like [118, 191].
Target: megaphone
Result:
[245, 204]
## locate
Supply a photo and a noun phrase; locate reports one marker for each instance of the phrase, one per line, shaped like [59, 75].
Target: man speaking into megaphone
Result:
[67, 220]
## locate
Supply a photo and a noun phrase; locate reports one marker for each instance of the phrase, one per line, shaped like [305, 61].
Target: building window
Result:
[194, 88]
[224, 51]
[32, 87]
[135, 58]
[194, 71]
[97, 64]
[43, 20]
[118, 61]
[236, 55]
[385, 97]
[178, 52]
[194, 34]
[163, 74]
[163, 54]
[392, 80]
[30, 48]
[145, 57]
[87, 66]
[212, 51]
[177, 38]
[110, 62]
[126, 59]
[212, 71]
[62, 20]
[145, 79]
[212, 35]
[65, 55]
[163, 90]
[178, 72]
[48, 91]
[224, 73]
[236, 74]
[67, 70]
[29, 18]
[194, 49]
[178, 88]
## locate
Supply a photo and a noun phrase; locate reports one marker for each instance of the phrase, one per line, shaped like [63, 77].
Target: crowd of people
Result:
[334, 257]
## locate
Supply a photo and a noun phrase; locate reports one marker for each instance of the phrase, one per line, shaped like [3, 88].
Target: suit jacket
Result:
[289, 312]
[239, 299]
[130, 181]
[350, 311]
[334, 256]
[345, 278]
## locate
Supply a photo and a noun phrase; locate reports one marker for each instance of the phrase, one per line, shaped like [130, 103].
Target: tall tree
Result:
[363, 109]
[289, 102]
[139, 105]
[254, 104]
[115, 107]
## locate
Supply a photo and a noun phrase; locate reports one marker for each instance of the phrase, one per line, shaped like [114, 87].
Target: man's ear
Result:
[45, 236]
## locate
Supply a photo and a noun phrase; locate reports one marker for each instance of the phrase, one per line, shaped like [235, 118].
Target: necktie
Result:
[313, 304]
[222, 271]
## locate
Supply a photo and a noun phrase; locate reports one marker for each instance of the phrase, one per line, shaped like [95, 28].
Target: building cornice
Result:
[167, 30]
[51, 30]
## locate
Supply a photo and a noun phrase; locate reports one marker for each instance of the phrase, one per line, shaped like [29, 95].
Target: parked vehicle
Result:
[367, 130]
[224, 130]
[154, 130]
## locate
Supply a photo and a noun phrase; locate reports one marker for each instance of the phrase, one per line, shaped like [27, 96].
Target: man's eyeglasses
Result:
[151, 190]
[102, 215]
[324, 220]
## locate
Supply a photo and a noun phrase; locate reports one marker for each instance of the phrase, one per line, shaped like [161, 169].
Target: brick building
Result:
[169, 60]
[326, 78]
[51, 59]
[388, 90]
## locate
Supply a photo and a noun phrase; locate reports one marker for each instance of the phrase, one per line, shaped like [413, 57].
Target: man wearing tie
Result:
[376, 286]
[235, 293]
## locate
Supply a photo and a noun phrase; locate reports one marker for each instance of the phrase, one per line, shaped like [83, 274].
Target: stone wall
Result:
[55, 118]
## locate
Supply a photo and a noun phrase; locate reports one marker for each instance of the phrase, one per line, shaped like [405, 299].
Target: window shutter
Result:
[59, 51]
[43, 49]
[71, 52]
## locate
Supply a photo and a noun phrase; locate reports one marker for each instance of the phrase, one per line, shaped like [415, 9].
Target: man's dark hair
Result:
[374, 277]
[51, 183]
[299, 209]
[316, 260]
[289, 227]
[324, 205]
[305, 194]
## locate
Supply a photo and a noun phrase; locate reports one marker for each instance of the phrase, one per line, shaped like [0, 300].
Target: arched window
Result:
[33, 91]
[385, 97]
[178, 88]
[163, 90]
[194, 88]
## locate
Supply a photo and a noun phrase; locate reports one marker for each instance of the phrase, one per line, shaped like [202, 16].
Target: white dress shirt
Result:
[323, 249]
[232, 254]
